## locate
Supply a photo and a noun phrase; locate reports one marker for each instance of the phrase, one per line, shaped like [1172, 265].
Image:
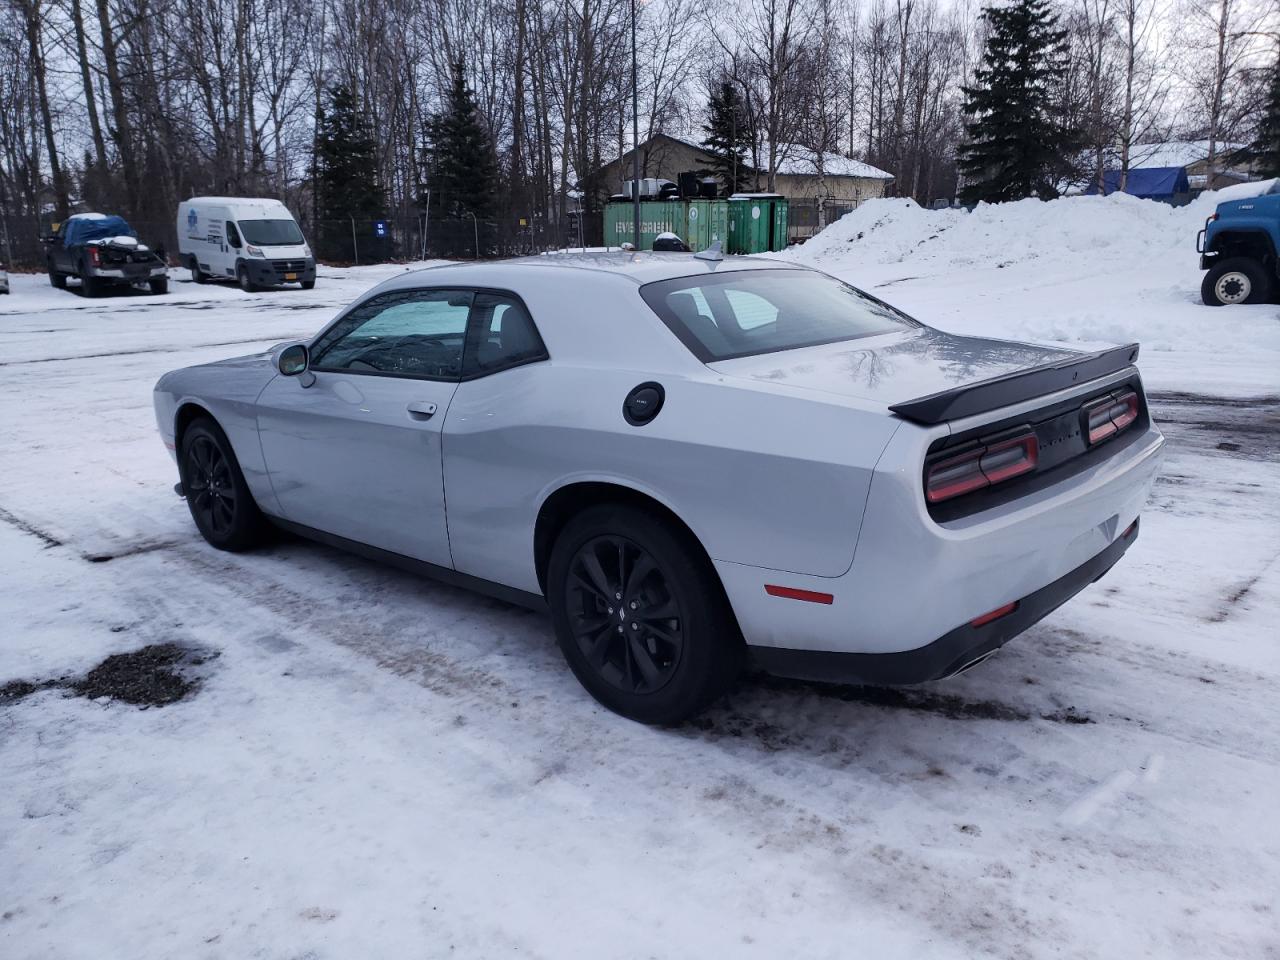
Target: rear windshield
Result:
[270, 233]
[742, 313]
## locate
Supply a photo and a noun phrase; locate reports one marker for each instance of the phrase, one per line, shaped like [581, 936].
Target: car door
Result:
[353, 445]
[230, 248]
[61, 255]
[495, 466]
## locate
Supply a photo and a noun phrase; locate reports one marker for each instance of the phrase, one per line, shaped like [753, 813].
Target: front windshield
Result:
[742, 313]
[271, 233]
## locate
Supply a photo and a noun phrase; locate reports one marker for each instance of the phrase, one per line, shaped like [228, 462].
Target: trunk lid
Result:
[898, 367]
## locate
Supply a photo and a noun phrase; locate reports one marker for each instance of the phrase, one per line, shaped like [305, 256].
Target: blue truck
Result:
[1238, 248]
[102, 252]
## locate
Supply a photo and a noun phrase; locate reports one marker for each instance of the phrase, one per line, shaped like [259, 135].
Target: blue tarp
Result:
[83, 229]
[1152, 183]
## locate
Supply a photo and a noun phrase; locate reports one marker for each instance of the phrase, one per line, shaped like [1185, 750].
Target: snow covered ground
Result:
[1083, 271]
[379, 766]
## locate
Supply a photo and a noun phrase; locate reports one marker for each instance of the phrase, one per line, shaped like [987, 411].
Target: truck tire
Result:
[308, 284]
[91, 286]
[247, 285]
[197, 275]
[57, 280]
[159, 285]
[1236, 280]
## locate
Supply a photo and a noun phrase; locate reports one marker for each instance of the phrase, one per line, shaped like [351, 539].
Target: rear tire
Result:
[221, 505]
[91, 286]
[640, 615]
[1236, 280]
[57, 280]
[197, 275]
[159, 285]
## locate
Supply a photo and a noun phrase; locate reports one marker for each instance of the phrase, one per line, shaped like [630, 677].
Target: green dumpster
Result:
[706, 222]
[781, 214]
[753, 222]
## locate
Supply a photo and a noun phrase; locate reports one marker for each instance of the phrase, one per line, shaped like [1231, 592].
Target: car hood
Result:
[893, 368]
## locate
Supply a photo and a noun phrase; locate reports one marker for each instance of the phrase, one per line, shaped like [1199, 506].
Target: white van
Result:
[256, 242]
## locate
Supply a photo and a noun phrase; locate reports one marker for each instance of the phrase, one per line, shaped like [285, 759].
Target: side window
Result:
[502, 335]
[410, 333]
[233, 235]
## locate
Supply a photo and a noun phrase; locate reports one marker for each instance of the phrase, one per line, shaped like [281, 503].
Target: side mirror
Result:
[293, 360]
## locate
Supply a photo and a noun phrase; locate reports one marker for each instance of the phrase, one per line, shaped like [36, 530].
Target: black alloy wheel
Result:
[210, 487]
[626, 620]
[217, 496]
[640, 614]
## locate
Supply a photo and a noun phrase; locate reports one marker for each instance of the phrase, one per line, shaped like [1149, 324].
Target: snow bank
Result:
[1080, 271]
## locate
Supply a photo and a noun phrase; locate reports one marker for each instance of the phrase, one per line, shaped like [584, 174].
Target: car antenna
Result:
[711, 253]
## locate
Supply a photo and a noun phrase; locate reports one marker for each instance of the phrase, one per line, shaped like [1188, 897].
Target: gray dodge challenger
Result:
[693, 462]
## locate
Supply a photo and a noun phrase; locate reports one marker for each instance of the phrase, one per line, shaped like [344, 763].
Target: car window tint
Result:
[410, 333]
[504, 335]
[746, 312]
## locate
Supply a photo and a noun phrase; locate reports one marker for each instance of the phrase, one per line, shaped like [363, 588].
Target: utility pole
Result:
[635, 131]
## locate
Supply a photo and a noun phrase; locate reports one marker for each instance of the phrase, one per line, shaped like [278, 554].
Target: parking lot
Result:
[369, 764]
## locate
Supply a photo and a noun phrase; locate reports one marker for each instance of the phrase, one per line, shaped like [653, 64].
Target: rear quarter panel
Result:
[763, 474]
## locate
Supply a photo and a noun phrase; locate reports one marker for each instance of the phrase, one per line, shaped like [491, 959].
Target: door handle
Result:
[421, 410]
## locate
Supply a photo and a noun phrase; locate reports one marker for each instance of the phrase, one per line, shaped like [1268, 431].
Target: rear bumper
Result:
[950, 653]
[129, 272]
[916, 578]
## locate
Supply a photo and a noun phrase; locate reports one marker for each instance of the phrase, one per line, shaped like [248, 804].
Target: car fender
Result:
[229, 392]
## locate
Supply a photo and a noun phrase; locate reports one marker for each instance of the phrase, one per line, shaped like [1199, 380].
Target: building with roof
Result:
[821, 187]
[1175, 171]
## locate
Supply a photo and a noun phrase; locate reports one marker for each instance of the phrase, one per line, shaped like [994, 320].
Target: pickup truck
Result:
[1238, 249]
[102, 251]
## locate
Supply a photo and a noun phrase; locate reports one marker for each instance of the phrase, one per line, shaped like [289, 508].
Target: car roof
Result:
[639, 267]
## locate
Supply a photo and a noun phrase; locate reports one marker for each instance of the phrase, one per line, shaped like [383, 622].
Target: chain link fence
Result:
[341, 242]
[806, 218]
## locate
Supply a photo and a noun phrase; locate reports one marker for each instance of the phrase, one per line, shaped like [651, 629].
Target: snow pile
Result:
[1080, 271]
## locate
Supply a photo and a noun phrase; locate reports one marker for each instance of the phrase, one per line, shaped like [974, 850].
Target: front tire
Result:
[221, 505]
[1236, 280]
[640, 615]
[247, 285]
[308, 284]
[159, 285]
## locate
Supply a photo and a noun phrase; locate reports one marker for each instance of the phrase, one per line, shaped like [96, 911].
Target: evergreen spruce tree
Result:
[462, 166]
[1265, 149]
[346, 179]
[1015, 146]
[727, 136]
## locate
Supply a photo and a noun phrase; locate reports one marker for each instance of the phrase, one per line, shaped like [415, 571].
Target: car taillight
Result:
[1105, 418]
[93, 257]
[981, 467]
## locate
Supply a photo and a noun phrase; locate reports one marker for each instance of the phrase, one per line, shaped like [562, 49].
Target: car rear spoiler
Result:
[1016, 387]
